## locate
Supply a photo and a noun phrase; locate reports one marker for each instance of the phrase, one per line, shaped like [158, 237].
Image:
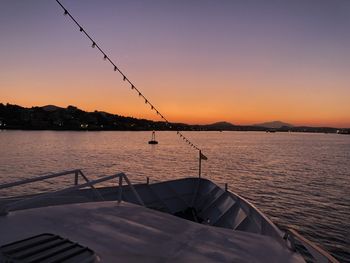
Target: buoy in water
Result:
[153, 140]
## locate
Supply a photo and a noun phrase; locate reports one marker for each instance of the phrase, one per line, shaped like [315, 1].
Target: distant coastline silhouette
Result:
[51, 117]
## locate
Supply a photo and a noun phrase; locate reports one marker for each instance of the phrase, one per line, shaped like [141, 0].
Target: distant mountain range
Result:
[51, 117]
[270, 125]
[274, 124]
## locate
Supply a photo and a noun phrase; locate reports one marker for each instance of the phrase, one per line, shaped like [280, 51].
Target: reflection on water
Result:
[301, 180]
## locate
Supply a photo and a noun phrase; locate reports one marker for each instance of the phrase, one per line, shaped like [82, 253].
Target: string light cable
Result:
[133, 87]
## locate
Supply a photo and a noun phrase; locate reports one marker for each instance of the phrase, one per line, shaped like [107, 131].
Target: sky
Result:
[241, 61]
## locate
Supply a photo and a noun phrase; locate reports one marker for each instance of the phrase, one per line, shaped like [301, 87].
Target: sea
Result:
[298, 180]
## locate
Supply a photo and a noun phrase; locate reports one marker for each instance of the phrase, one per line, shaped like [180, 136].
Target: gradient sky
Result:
[197, 61]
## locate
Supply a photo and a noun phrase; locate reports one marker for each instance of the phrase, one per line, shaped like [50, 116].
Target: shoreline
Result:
[346, 132]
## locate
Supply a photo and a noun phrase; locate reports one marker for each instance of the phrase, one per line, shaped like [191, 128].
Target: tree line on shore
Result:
[51, 117]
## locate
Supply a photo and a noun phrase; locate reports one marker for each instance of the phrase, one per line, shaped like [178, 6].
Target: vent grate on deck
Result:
[46, 248]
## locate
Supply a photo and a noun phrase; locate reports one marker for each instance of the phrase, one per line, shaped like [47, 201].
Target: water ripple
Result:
[299, 180]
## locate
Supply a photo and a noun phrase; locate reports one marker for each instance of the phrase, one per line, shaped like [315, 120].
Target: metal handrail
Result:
[132, 188]
[40, 178]
[316, 252]
[6, 208]
[76, 173]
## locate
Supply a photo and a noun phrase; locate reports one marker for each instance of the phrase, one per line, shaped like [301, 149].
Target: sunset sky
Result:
[245, 62]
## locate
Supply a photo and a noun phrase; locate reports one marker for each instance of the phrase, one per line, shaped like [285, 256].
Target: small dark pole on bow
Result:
[201, 157]
[200, 163]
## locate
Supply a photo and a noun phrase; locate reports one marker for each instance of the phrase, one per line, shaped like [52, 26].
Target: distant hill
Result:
[274, 124]
[51, 108]
[51, 117]
[222, 125]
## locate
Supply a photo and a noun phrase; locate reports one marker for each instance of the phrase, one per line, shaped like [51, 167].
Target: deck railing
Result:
[318, 254]
[40, 197]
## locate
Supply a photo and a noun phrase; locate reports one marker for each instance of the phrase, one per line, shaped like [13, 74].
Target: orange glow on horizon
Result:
[196, 67]
[202, 118]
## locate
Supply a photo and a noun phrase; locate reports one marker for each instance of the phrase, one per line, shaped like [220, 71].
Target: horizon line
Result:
[186, 123]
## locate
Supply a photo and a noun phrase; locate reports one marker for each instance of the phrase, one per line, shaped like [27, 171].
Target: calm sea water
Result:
[299, 180]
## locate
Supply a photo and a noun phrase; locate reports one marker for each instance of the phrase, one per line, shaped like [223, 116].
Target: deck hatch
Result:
[46, 248]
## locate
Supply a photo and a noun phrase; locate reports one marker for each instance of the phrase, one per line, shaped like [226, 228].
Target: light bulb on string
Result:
[105, 57]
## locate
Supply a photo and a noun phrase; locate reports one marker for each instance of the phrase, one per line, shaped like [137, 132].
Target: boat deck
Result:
[125, 232]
